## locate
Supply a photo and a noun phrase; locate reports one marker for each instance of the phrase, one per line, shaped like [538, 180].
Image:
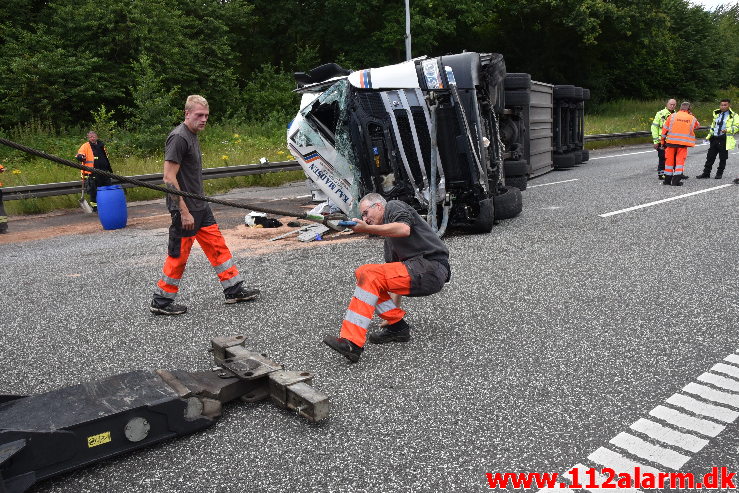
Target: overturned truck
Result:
[426, 131]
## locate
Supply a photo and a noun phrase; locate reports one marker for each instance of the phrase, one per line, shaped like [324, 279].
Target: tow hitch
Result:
[48, 434]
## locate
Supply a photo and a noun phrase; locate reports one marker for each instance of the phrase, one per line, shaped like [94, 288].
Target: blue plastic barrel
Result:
[112, 209]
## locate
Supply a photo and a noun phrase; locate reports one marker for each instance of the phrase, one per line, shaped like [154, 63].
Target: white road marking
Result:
[669, 436]
[712, 411]
[653, 453]
[636, 207]
[723, 382]
[705, 427]
[712, 395]
[633, 153]
[732, 371]
[618, 462]
[552, 183]
[732, 358]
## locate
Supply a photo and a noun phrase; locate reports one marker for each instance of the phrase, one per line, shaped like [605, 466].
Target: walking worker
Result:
[657, 124]
[93, 153]
[417, 264]
[192, 219]
[721, 139]
[678, 133]
[3, 216]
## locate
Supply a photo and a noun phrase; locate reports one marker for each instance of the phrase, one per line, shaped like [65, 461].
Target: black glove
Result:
[80, 158]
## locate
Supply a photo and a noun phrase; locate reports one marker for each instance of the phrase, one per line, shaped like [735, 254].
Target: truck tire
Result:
[586, 94]
[515, 168]
[585, 155]
[517, 81]
[517, 98]
[486, 218]
[508, 203]
[577, 156]
[564, 92]
[519, 182]
[563, 161]
[578, 93]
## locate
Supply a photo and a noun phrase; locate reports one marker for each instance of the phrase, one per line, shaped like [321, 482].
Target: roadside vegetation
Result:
[237, 143]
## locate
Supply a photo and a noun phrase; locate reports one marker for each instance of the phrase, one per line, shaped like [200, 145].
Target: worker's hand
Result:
[188, 222]
[80, 158]
[656, 146]
[360, 227]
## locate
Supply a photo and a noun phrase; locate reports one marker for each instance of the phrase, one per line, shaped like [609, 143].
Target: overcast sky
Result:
[712, 4]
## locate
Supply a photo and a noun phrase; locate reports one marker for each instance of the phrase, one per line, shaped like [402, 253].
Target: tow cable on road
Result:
[330, 220]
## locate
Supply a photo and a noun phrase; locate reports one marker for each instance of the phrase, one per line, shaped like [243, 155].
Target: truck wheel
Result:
[517, 81]
[508, 203]
[585, 155]
[585, 94]
[515, 168]
[577, 156]
[564, 92]
[563, 161]
[517, 98]
[486, 218]
[519, 182]
[578, 93]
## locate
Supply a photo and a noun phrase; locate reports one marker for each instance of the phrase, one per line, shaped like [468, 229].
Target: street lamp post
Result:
[407, 30]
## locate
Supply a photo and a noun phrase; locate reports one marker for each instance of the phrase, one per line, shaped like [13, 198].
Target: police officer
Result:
[721, 139]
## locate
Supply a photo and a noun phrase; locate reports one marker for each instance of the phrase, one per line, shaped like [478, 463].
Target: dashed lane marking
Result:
[552, 183]
[670, 199]
[663, 434]
[653, 453]
[668, 439]
[720, 413]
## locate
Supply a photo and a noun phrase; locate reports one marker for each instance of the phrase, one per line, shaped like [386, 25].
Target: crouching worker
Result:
[417, 264]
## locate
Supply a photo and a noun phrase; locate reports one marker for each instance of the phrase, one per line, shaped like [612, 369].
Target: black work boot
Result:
[719, 175]
[667, 180]
[243, 294]
[398, 332]
[168, 309]
[345, 347]
[705, 174]
[676, 180]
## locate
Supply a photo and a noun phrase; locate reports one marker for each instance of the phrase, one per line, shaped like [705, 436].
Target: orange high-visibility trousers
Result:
[214, 246]
[374, 283]
[675, 160]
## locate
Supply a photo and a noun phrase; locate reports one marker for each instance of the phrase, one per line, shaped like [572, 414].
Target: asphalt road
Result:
[558, 331]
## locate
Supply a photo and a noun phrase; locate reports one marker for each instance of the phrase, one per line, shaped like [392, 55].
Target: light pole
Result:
[407, 30]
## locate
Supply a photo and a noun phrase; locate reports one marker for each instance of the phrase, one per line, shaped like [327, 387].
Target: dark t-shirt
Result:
[182, 147]
[101, 157]
[422, 241]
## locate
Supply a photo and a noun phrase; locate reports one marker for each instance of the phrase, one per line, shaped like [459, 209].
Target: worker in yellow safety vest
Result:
[721, 139]
[657, 124]
[678, 133]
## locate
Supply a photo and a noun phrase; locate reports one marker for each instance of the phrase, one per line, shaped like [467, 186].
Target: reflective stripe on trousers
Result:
[675, 160]
[375, 282]
[214, 246]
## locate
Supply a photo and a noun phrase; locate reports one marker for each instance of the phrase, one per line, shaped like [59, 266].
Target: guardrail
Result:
[73, 187]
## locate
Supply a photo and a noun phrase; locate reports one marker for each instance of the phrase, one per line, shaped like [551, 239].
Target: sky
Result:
[712, 4]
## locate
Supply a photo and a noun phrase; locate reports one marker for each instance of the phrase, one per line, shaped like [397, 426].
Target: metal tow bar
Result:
[47, 434]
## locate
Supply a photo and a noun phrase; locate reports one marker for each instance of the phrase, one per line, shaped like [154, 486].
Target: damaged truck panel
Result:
[425, 132]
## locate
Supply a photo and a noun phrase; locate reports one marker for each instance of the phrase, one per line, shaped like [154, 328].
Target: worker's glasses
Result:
[364, 212]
